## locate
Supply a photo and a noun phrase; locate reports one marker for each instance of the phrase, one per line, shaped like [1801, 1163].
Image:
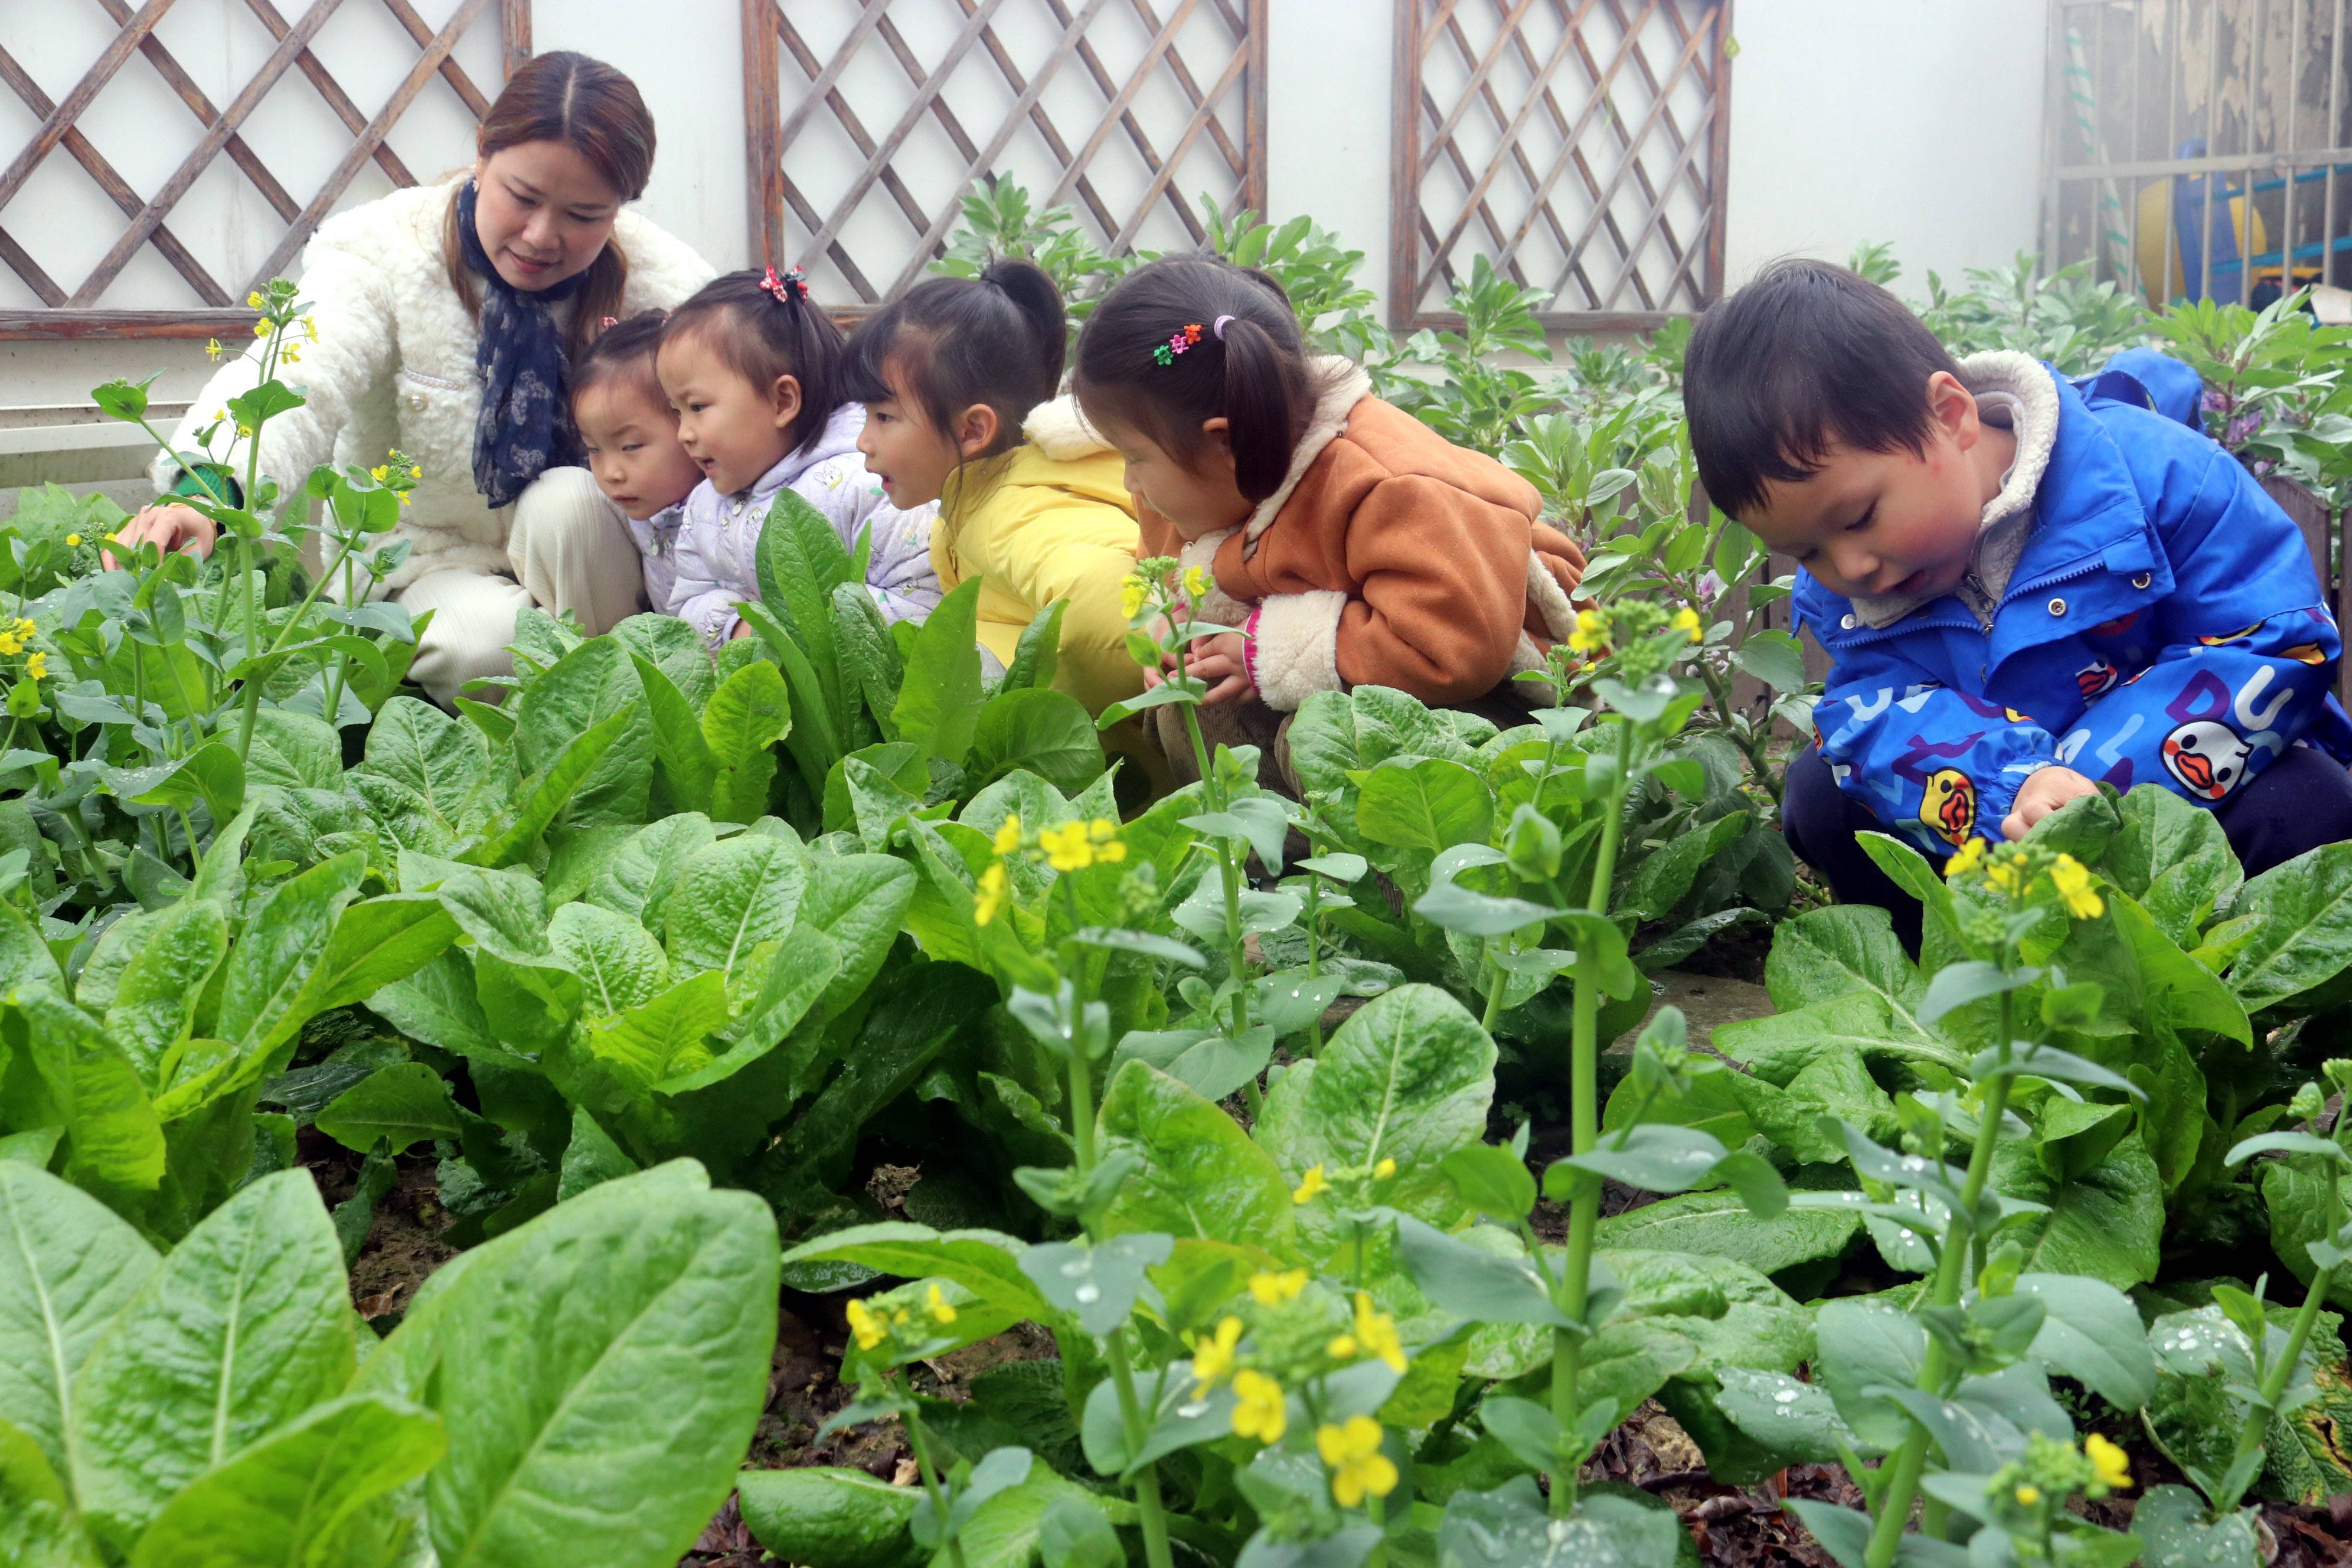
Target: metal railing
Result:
[2201, 149]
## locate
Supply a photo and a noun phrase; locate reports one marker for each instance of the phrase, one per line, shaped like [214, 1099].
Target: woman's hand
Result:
[169, 527]
[1224, 661]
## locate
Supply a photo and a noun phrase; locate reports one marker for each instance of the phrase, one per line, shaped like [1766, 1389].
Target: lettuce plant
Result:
[220, 1401]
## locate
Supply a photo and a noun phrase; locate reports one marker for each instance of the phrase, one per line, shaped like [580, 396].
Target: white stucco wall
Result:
[1916, 122]
[1913, 120]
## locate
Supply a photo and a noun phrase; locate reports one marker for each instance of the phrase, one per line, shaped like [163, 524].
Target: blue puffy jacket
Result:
[2164, 625]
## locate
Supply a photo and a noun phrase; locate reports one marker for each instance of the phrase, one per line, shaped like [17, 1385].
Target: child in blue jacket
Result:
[2027, 585]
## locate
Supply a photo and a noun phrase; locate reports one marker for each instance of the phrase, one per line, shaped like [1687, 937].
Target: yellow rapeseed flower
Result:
[261, 329]
[1964, 859]
[25, 628]
[1213, 1358]
[73, 540]
[1259, 1412]
[1273, 1289]
[870, 1330]
[1103, 833]
[1592, 631]
[38, 667]
[10, 643]
[1068, 847]
[212, 348]
[991, 897]
[292, 355]
[1008, 835]
[1131, 594]
[1311, 1188]
[415, 471]
[2073, 885]
[1687, 620]
[253, 300]
[941, 1310]
[309, 329]
[1376, 1335]
[2028, 1495]
[1351, 1451]
[2113, 1467]
[2005, 874]
[1196, 581]
[1384, 1170]
[379, 473]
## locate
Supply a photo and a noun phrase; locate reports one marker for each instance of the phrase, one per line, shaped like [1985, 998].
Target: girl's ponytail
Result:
[1185, 340]
[1266, 408]
[1033, 293]
[949, 343]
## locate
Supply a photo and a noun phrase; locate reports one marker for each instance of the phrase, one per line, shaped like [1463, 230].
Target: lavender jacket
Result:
[717, 545]
[656, 539]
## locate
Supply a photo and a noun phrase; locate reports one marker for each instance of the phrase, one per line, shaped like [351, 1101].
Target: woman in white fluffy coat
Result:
[499, 520]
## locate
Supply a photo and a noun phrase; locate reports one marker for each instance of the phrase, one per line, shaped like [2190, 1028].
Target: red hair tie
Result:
[789, 288]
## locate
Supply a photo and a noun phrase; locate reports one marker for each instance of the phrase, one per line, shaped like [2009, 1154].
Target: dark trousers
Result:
[2303, 800]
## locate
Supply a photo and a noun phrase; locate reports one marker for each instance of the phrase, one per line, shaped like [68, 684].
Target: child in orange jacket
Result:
[1353, 544]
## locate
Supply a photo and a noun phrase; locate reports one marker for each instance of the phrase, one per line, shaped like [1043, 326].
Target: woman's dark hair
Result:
[761, 333]
[949, 342]
[593, 110]
[1807, 354]
[622, 351]
[1256, 376]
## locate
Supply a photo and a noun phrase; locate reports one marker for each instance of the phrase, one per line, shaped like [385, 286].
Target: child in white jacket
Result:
[753, 370]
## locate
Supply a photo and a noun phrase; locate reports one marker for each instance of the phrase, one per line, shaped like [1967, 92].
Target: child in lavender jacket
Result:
[753, 370]
[719, 542]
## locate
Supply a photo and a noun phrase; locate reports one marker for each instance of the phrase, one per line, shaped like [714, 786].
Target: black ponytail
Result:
[1247, 365]
[999, 338]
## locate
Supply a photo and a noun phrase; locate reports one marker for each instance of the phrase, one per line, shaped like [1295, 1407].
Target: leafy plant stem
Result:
[1147, 1479]
[2258, 1418]
[931, 1471]
[1584, 1213]
[1743, 735]
[1894, 1506]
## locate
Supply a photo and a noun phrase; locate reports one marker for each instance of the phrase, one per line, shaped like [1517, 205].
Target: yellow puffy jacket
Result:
[1049, 519]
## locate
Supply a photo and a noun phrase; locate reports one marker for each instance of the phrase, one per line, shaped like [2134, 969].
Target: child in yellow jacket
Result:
[959, 379]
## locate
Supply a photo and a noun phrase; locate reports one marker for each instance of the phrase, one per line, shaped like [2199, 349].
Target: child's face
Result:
[1197, 499]
[906, 452]
[734, 430]
[633, 448]
[1890, 522]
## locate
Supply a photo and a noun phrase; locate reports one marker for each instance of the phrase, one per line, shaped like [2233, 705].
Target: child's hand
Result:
[742, 629]
[168, 527]
[1222, 660]
[2040, 795]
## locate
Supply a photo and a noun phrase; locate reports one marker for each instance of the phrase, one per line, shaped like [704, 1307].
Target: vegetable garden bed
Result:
[808, 1103]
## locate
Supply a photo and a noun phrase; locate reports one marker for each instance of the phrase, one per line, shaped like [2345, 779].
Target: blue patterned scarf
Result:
[524, 426]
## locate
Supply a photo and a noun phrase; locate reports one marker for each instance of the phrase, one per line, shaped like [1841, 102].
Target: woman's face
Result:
[542, 212]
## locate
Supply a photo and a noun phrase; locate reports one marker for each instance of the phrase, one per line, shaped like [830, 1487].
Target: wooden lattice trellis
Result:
[1179, 84]
[1579, 145]
[73, 314]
